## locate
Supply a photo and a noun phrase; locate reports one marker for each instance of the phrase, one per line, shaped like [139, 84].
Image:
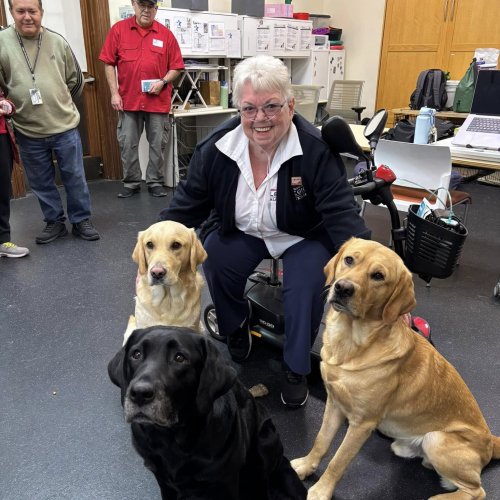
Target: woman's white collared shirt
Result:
[255, 211]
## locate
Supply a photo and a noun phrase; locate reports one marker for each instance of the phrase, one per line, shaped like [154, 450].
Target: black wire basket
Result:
[432, 250]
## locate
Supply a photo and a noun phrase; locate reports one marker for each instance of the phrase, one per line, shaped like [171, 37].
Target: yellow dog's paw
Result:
[303, 467]
[319, 492]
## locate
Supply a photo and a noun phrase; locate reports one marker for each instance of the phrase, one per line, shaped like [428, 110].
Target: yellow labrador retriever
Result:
[168, 285]
[380, 375]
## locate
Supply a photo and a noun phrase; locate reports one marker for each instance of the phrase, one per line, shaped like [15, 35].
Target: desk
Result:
[452, 116]
[357, 130]
[457, 159]
[486, 161]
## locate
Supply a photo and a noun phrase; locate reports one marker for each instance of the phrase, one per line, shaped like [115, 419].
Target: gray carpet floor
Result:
[63, 312]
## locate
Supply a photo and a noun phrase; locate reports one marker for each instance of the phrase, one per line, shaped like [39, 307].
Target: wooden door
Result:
[414, 39]
[424, 34]
[98, 128]
[473, 25]
[100, 118]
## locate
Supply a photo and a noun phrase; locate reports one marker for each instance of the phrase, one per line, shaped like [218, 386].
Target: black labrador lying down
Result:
[196, 426]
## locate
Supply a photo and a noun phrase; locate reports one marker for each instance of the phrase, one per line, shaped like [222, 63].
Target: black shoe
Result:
[294, 391]
[239, 343]
[128, 192]
[157, 191]
[52, 231]
[85, 230]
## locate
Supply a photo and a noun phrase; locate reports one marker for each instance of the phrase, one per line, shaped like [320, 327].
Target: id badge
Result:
[36, 97]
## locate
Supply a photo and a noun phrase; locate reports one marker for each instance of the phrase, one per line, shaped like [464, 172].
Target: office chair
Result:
[344, 100]
[420, 168]
[306, 100]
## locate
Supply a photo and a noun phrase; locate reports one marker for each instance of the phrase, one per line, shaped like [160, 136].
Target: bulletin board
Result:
[203, 34]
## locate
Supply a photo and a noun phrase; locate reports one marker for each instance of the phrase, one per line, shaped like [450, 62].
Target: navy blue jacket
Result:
[320, 206]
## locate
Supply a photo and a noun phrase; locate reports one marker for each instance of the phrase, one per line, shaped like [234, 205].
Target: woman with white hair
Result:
[269, 187]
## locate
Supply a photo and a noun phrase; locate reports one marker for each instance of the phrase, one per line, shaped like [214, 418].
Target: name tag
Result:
[157, 43]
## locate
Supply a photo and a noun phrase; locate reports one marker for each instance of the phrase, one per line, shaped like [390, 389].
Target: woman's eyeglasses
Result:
[270, 110]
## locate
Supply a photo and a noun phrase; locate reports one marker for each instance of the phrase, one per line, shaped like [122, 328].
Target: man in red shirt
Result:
[146, 58]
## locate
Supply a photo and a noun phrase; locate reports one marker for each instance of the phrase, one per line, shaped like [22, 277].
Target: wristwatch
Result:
[165, 82]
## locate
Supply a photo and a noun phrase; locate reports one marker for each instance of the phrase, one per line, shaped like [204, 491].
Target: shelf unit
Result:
[192, 73]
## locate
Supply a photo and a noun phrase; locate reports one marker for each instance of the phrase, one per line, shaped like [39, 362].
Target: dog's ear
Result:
[138, 255]
[330, 267]
[216, 377]
[118, 369]
[402, 299]
[198, 254]
[115, 368]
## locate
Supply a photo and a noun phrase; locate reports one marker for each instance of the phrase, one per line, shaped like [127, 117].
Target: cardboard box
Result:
[278, 10]
[210, 91]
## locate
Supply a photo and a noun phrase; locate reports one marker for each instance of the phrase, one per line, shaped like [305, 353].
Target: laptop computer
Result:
[481, 129]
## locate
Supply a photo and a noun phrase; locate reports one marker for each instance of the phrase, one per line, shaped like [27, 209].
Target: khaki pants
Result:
[129, 131]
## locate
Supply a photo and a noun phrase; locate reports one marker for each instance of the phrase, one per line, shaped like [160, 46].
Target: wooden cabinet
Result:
[424, 34]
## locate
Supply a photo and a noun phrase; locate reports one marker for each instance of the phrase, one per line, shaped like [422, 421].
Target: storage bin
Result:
[253, 8]
[432, 251]
[335, 34]
[278, 10]
[190, 4]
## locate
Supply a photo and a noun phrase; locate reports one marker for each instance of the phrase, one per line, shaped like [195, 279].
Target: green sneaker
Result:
[9, 249]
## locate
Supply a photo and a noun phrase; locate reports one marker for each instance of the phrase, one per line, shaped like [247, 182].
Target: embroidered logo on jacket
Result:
[298, 189]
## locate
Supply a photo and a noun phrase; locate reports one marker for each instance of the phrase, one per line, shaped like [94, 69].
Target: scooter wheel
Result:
[210, 320]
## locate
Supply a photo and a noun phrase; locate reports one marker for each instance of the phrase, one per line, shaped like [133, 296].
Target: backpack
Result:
[430, 91]
[404, 130]
[464, 93]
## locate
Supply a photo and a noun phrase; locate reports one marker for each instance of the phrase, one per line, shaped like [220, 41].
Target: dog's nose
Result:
[142, 393]
[158, 273]
[344, 289]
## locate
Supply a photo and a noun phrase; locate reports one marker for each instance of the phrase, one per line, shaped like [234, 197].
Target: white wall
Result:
[362, 27]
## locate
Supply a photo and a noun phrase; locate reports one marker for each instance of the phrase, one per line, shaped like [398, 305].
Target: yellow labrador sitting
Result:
[168, 285]
[380, 375]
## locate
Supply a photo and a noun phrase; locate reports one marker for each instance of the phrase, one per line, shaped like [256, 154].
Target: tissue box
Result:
[210, 91]
[278, 10]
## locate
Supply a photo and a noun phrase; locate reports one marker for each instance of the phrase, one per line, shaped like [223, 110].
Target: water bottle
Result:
[224, 95]
[425, 122]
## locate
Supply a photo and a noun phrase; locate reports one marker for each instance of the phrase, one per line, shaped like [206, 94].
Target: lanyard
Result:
[28, 62]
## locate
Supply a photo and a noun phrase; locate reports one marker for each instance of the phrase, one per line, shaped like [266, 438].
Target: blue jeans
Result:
[36, 155]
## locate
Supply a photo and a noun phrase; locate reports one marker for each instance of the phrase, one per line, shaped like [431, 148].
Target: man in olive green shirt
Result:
[40, 74]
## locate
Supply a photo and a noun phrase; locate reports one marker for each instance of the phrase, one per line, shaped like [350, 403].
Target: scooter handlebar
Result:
[368, 187]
